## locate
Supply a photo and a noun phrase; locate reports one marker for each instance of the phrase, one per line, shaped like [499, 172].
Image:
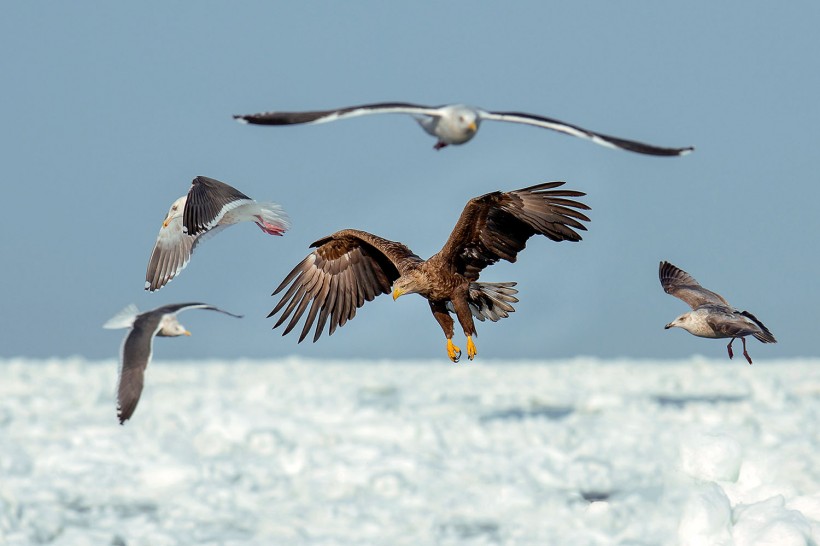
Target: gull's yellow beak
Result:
[166, 222]
[186, 332]
[396, 293]
[473, 127]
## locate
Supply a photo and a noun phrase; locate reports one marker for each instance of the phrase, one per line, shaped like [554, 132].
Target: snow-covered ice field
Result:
[299, 452]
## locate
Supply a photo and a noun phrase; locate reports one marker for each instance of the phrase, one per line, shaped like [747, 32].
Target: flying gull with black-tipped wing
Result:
[455, 123]
[209, 207]
[137, 346]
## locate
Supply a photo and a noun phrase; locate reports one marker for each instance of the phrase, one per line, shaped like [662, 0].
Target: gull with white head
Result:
[137, 346]
[455, 123]
[209, 207]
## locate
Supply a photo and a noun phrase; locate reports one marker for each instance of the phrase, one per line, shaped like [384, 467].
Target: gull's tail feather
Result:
[765, 336]
[490, 300]
[123, 319]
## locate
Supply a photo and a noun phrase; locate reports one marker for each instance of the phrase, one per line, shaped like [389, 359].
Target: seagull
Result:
[454, 123]
[209, 207]
[137, 346]
[711, 314]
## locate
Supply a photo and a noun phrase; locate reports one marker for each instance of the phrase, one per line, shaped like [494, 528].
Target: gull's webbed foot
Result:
[452, 351]
[471, 350]
[439, 145]
[729, 348]
[743, 339]
[270, 229]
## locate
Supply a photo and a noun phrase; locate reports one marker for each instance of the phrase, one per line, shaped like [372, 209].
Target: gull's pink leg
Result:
[439, 145]
[743, 339]
[270, 229]
[731, 354]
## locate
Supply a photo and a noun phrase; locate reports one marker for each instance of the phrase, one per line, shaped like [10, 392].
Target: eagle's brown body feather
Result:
[351, 267]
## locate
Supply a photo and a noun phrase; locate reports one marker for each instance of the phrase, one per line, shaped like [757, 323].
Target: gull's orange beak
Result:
[397, 293]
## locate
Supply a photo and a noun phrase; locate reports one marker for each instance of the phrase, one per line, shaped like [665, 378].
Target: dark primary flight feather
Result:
[496, 226]
[682, 285]
[347, 269]
[766, 336]
[206, 199]
[574, 130]
[294, 118]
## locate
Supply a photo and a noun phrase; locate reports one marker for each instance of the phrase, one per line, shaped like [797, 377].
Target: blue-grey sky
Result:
[110, 109]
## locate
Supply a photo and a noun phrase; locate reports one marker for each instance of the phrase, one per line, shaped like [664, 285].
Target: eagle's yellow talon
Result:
[471, 350]
[452, 351]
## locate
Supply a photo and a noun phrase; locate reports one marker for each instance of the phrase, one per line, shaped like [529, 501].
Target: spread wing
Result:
[496, 226]
[323, 116]
[347, 269]
[208, 201]
[574, 130]
[682, 285]
[179, 307]
[172, 252]
[136, 353]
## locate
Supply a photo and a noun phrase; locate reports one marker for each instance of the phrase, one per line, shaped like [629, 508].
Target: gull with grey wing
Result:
[137, 346]
[209, 207]
[711, 315]
[455, 123]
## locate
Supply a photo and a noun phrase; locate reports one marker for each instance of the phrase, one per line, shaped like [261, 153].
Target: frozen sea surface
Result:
[295, 452]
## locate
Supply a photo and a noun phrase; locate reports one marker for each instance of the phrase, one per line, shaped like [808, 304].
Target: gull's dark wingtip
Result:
[656, 151]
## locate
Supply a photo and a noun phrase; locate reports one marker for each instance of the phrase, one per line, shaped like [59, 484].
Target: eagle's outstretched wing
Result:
[347, 269]
[496, 226]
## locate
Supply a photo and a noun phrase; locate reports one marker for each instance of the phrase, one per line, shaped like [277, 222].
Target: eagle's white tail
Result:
[490, 300]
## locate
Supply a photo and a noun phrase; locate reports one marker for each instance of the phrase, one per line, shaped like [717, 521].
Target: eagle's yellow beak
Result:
[396, 293]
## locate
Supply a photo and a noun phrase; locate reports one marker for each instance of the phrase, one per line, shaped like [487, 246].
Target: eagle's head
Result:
[409, 283]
